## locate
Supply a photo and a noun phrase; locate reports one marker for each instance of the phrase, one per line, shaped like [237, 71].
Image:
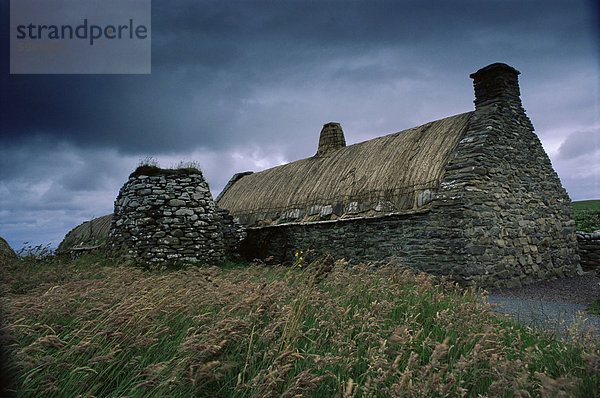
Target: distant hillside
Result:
[587, 204]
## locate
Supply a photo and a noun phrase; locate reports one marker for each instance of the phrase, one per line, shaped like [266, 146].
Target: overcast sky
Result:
[247, 85]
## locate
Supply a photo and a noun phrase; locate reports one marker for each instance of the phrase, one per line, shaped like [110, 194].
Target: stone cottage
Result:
[473, 196]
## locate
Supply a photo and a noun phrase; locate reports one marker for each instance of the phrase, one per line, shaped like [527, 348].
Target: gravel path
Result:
[550, 305]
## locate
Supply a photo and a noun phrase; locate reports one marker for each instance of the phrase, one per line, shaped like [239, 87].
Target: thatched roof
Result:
[7, 254]
[89, 233]
[383, 174]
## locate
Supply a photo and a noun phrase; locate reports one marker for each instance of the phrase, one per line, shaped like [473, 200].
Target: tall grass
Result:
[324, 329]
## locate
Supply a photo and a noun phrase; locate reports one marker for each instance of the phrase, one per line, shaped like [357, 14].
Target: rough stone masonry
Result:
[167, 218]
[589, 250]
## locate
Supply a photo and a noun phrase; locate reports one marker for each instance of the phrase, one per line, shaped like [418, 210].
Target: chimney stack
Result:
[332, 137]
[496, 83]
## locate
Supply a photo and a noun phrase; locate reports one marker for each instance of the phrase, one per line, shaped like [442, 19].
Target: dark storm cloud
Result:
[41, 174]
[579, 144]
[211, 60]
[47, 188]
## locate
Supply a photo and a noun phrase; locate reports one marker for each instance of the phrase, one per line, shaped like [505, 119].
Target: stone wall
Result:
[166, 218]
[504, 204]
[411, 240]
[589, 250]
[381, 238]
[233, 232]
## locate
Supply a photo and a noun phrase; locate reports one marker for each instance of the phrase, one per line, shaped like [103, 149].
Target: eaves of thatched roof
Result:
[89, 233]
[385, 174]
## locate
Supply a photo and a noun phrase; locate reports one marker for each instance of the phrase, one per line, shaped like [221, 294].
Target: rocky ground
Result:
[578, 290]
[556, 306]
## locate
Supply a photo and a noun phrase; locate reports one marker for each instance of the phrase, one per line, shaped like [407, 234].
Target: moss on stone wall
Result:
[154, 171]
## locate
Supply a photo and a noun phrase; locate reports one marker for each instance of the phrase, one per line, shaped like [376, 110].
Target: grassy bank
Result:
[587, 215]
[90, 327]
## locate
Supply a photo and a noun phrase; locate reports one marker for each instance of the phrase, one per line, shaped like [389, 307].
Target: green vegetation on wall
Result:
[152, 171]
[148, 166]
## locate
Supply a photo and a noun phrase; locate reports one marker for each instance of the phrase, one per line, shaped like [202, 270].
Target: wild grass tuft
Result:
[594, 308]
[321, 330]
[149, 167]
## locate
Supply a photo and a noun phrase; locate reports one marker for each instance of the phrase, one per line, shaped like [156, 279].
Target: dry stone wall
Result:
[166, 218]
[507, 214]
[233, 232]
[403, 237]
[589, 250]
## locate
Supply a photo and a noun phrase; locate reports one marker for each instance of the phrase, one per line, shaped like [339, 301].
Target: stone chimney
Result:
[332, 137]
[496, 83]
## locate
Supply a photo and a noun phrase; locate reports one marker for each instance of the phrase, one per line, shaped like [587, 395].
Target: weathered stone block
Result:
[168, 241]
[184, 212]
[145, 221]
[176, 202]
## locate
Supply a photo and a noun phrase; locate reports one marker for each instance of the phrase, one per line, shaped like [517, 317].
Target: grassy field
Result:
[325, 329]
[587, 215]
[587, 204]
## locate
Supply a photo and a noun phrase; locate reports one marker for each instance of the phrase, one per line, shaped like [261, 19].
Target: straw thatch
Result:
[386, 173]
[7, 254]
[89, 233]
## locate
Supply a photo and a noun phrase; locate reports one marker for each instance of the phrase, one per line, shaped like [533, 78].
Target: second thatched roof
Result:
[392, 173]
[89, 233]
